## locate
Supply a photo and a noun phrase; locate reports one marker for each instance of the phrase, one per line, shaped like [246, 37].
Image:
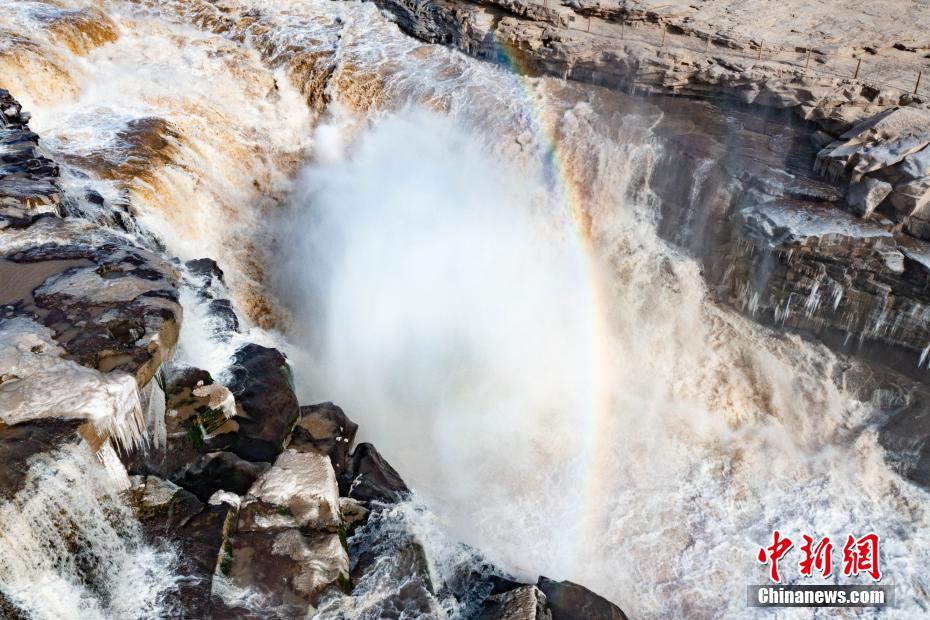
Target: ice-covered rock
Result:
[302, 490]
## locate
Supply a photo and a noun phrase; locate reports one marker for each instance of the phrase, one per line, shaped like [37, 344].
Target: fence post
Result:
[808, 61]
[760, 51]
[858, 64]
[917, 85]
[664, 31]
[589, 24]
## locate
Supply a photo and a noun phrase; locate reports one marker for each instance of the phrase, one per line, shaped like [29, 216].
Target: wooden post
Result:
[664, 31]
[808, 61]
[589, 25]
[707, 44]
[760, 51]
[917, 85]
[858, 64]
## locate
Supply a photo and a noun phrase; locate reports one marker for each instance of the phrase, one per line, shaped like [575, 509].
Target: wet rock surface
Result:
[268, 409]
[81, 308]
[21, 441]
[523, 603]
[325, 429]
[219, 471]
[570, 601]
[372, 479]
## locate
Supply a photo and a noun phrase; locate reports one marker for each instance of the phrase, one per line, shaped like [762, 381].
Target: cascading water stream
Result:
[72, 548]
[469, 266]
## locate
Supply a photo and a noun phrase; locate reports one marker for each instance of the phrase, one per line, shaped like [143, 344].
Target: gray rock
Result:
[570, 601]
[524, 603]
[268, 408]
[372, 478]
[865, 195]
[325, 429]
[219, 471]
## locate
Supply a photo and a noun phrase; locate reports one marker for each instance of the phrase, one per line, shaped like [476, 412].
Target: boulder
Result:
[290, 568]
[267, 407]
[372, 479]
[523, 603]
[167, 512]
[325, 429]
[865, 195]
[219, 471]
[287, 545]
[199, 418]
[298, 491]
[570, 601]
[161, 506]
[906, 434]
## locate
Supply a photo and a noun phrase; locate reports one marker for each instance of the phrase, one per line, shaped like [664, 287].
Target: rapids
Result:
[467, 262]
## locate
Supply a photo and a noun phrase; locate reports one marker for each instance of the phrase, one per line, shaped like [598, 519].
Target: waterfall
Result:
[72, 548]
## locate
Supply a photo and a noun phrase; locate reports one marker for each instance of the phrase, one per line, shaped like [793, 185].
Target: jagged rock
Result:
[906, 433]
[268, 408]
[168, 512]
[205, 268]
[916, 165]
[524, 603]
[865, 195]
[401, 571]
[353, 513]
[570, 601]
[198, 419]
[286, 545]
[299, 490]
[161, 506]
[878, 142]
[101, 314]
[372, 479]
[325, 429]
[218, 471]
[554, 39]
[289, 567]
[202, 542]
[228, 322]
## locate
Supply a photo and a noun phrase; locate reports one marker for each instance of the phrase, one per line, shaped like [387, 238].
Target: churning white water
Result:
[71, 548]
[571, 407]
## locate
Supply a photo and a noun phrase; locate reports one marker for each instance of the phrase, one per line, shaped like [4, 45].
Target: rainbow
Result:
[569, 191]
